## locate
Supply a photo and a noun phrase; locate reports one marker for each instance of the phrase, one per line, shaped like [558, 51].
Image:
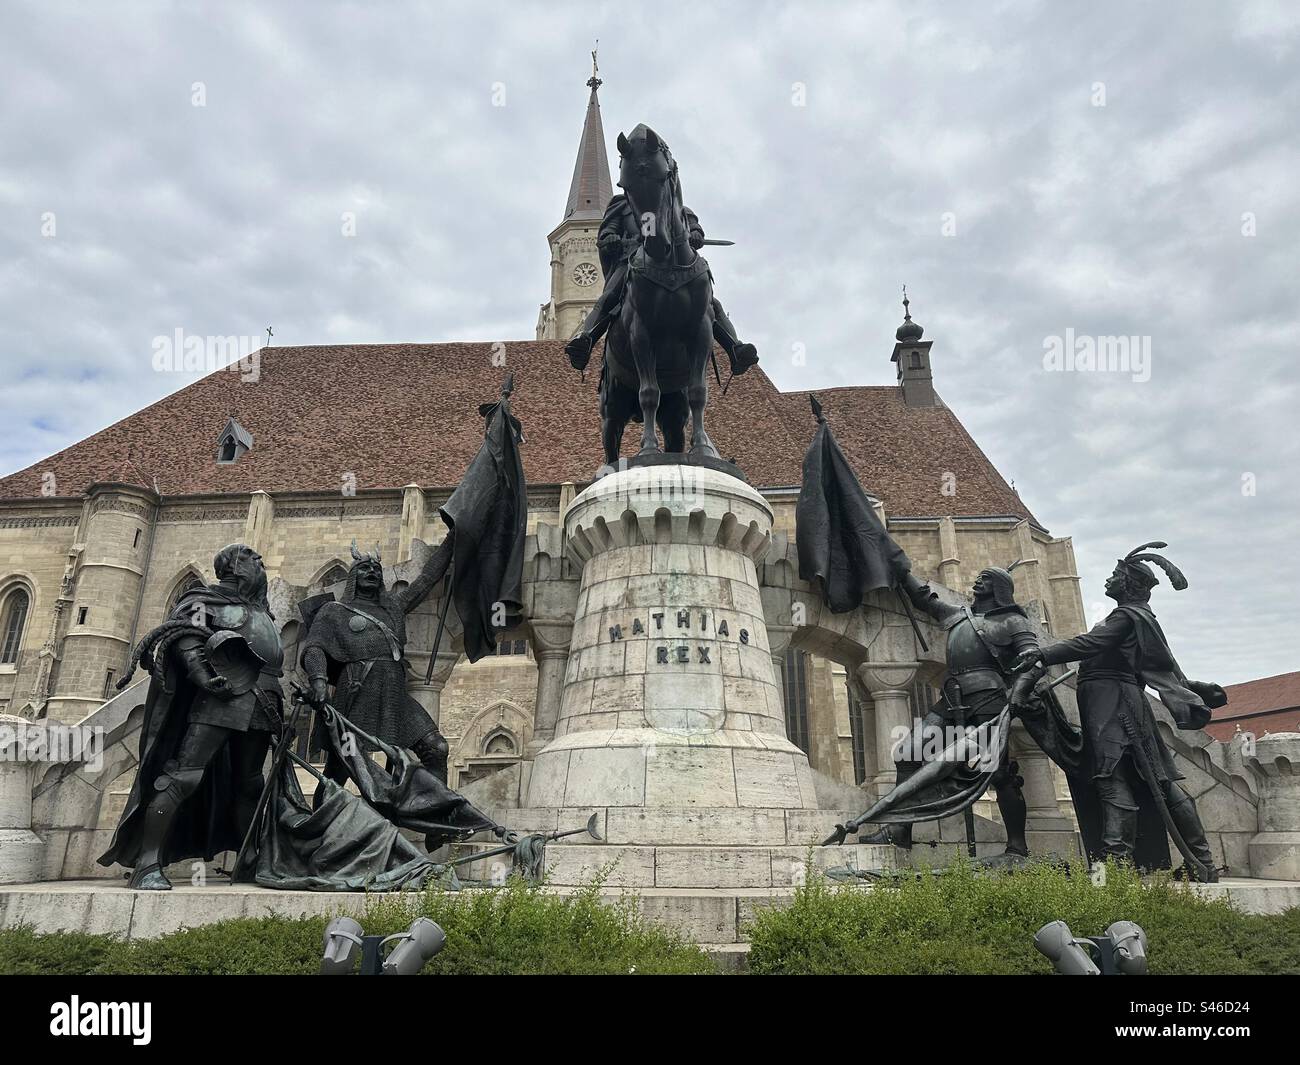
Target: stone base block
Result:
[656, 768]
[22, 855]
[723, 826]
[1275, 856]
[626, 866]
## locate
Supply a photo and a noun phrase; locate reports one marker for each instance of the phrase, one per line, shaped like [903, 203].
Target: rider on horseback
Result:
[617, 241]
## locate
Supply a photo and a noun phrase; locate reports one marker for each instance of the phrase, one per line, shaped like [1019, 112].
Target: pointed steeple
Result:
[591, 188]
[576, 274]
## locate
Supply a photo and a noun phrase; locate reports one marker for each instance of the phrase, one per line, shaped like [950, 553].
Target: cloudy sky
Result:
[1027, 169]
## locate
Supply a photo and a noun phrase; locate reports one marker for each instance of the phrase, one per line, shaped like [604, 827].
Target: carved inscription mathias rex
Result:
[681, 631]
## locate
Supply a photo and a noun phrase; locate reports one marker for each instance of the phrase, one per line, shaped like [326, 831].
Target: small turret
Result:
[912, 357]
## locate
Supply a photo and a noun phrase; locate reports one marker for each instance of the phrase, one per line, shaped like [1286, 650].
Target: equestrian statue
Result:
[658, 307]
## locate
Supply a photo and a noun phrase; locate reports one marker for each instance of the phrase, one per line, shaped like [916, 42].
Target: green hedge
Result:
[967, 922]
[515, 929]
[957, 922]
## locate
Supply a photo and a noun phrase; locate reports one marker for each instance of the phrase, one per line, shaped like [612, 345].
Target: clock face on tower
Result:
[585, 274]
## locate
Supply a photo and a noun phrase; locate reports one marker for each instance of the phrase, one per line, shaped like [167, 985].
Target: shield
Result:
[231, 657]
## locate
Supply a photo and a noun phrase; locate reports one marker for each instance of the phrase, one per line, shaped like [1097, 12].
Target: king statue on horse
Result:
[658, 307]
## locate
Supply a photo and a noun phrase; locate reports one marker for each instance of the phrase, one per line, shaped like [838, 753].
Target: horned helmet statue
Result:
[369, 556]
[362, 560]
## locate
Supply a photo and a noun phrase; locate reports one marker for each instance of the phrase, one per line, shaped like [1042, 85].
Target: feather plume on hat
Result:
[1141, 554]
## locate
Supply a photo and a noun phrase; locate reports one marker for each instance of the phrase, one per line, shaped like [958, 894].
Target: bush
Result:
[516, 929]
[25, 952]
[972, 922]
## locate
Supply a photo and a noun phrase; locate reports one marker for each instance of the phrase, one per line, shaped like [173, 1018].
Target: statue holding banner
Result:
[358, 644]
[959, 749]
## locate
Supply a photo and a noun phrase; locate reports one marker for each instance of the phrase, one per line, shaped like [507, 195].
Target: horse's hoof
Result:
[650, 451]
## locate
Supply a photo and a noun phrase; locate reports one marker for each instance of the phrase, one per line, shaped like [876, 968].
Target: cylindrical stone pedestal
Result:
[21, 850]
[670, 702]
[1275, 850]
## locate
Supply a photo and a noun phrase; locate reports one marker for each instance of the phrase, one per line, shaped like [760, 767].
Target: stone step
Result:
[719, 917]
[680, 825]
[625, 866]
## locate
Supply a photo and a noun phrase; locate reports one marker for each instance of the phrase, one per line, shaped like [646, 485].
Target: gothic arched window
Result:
[186, 584]
[500, 742]
[13, 619]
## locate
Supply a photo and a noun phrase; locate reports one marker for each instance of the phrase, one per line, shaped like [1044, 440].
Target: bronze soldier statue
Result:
[1131, 767]
[214, 701]
[358, 644]
[984, 643]
[617, 240]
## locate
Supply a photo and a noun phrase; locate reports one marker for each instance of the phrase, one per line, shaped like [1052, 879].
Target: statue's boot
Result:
[742, 356]
[158, 818]
[1014, 811]
[579, 349]
[1182, 809]
[432, 750]
[895, 835]
[250, 794]
[594, 325]
[1118, 832]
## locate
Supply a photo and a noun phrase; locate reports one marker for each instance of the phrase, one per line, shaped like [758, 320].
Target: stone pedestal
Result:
[670, 709]
[551, 650]
[21, 849]
[429, 695]
[888, 685]
[1047, 829]
[1275, 850]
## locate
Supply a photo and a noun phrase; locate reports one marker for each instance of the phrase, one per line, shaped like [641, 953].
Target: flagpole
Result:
[442, 622]
[907, 609]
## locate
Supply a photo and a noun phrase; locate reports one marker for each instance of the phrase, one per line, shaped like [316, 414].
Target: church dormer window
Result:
[233, 442]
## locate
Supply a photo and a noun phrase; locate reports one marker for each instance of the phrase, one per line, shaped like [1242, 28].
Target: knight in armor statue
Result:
[358, 645]
[617, 241]
[214, 703]
[985, 642]
[1134, 777]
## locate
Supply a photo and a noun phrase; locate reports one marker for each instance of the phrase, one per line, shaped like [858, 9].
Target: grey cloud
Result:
[1123, 219]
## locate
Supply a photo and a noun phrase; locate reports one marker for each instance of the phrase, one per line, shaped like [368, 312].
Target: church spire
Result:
[591, 188]
[576, 273]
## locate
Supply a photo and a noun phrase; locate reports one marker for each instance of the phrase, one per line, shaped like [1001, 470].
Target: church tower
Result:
[576, 277]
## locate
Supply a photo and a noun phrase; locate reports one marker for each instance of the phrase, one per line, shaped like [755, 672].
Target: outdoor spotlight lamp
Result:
[345, 941]
[1066, 953]
[1121, 951]
[1128, 947]
[418, 944]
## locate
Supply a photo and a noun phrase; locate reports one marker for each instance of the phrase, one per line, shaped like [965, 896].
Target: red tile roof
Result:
[1271, 704]
[397, 414]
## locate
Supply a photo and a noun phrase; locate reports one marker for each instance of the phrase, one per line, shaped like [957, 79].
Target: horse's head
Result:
[648, 174]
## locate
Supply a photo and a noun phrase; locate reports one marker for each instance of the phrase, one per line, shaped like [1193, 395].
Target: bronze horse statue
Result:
[661, 341]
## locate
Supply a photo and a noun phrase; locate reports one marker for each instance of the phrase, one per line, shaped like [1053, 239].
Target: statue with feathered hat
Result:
[1138, 798]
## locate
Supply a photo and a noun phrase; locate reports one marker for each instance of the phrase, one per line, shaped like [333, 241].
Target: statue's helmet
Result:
[1001, 585]
[240, 565]
[368, 563]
